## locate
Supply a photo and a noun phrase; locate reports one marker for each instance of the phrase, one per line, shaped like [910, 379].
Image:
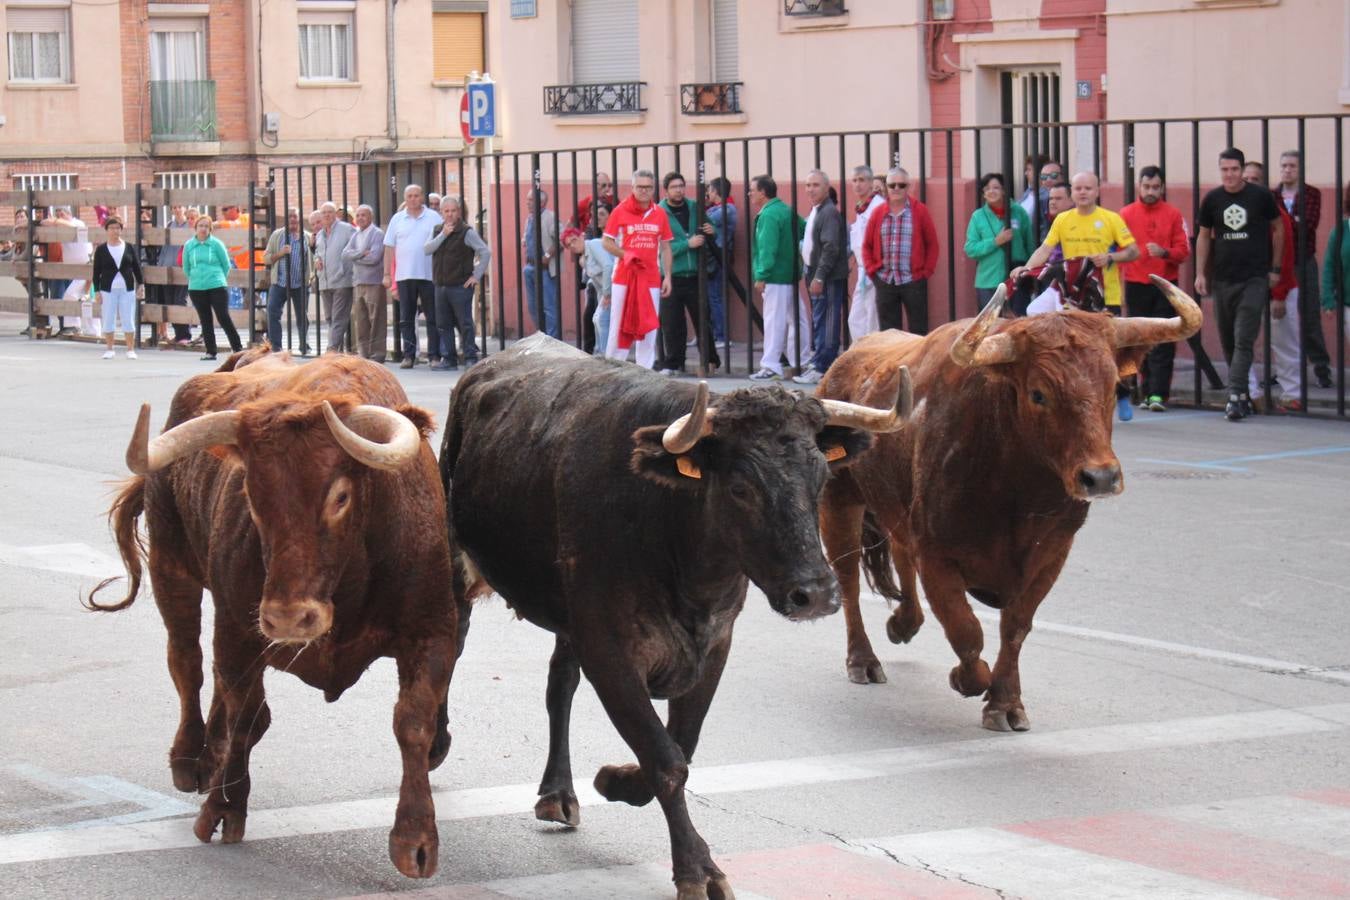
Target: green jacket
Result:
[775, 244]
[992, 263]
[206, 263]
[1340, 235]
[684, 261]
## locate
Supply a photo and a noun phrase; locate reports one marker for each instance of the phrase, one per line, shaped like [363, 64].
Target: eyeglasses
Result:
[644, 187]
[1049, 176]
[897, 185]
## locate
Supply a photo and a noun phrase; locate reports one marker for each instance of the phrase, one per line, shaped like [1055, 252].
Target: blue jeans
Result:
[552, 325]
[454, 312]
[277, 295]
[715, 312]
[827, 316]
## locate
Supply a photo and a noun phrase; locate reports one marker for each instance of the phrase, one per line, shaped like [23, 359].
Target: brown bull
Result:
[984, 490]
[306, 499]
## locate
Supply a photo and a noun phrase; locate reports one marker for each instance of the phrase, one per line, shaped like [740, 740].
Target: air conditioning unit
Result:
[271, 122]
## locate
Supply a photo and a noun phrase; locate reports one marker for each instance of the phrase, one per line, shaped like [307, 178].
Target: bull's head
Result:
[1064, 368]
[759, 460]
[307, 489]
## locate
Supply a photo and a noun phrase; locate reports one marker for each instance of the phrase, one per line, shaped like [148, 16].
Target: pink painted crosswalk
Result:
[1289, 845]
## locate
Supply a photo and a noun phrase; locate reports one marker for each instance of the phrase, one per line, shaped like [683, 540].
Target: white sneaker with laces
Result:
[108, 354]
[766, 374]
[131, 354]
[808, 376]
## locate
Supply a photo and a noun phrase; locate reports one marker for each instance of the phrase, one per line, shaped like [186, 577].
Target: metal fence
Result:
[944, 163]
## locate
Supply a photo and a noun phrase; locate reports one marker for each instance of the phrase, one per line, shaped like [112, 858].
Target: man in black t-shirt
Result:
[1240, 223]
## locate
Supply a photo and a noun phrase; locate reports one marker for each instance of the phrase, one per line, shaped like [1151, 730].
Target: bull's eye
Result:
[1038, 398]
[739, 491]
[339, 499]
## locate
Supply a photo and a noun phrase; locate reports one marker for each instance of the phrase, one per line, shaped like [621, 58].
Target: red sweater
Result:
[1288, 280]
[1159, 223]
[923, 255]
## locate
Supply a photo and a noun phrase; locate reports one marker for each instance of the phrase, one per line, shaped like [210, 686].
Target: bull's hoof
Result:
[186, 775]
[866, 671]
[415, 855]
[1007, 719]
[560, 807]
[230, 821]
[902, 632]
[967, 684]
[716, 888]
[440, 749]
[623, 784]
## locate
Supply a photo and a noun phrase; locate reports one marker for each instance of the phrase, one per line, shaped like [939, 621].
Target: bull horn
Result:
[692, 427]
[867, 418]
[1137, 331]
[404, 444]
[212, 429]
[976, 347]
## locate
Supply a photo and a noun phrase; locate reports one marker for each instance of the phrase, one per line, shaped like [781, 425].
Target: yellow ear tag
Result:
[835, 452]
[687, 467]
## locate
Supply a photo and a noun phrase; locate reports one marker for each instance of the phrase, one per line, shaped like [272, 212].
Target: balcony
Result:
[183, 115]
[814, 8]
[713, 99]
[621, 97]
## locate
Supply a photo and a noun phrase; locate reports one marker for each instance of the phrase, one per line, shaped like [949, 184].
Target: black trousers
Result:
[674, 333]
[1310, 314]
[217, 301]
[588, 320]
[911, 297]
[1156, 372]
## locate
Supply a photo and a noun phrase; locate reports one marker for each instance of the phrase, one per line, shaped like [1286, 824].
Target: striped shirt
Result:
[897, 245]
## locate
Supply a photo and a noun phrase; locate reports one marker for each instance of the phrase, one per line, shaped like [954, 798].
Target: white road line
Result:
[1263, 663]
[77, 559]
[378, 813]
[1023, 866]
[1305, 824]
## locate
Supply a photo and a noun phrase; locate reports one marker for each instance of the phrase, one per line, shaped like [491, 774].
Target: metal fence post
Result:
[32, 265]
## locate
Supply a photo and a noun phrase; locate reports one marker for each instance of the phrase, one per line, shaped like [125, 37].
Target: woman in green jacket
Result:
[1336, 286]
[207, 264]
[988, 234]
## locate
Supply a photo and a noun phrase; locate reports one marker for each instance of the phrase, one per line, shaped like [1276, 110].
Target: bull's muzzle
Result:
[295, 621]
[809, 599]
[1100, 481]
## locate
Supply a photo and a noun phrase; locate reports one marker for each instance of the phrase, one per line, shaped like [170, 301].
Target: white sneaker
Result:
[108, 354]
[669, 373]
[809, 376]
[766, 374]
[131, 354]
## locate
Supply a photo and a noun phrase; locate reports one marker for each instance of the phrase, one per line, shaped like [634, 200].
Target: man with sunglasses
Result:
[1037, 203]
[900, 254]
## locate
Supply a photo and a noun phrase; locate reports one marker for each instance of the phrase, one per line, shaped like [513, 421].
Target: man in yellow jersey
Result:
[1100, 235]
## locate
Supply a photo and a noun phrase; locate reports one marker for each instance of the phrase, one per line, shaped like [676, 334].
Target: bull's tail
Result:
[122, 517]
[876, 549]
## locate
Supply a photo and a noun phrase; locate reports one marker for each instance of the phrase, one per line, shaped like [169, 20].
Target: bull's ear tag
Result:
[834, 453]
[687, 467]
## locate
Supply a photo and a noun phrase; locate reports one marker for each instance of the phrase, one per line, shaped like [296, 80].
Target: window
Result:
[456, 45]
[725, 58]
[325, 44]
[182, 180]
[178, 49]
[44, 182]
[39, 44]
[604, 41]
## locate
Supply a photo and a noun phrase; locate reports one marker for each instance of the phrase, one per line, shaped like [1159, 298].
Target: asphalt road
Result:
[1188, 684]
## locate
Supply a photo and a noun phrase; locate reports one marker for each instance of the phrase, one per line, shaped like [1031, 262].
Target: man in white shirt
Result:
[407, 233]
[862, 315]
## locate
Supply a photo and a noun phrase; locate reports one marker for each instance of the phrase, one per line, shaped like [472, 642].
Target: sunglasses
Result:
[897, 185]
[1049, 176]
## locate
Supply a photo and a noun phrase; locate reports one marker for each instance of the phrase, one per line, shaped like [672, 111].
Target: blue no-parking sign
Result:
[482, 109]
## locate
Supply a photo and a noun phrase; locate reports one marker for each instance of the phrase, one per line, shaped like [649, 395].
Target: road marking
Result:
[1265, 664]
[1226, 464]
[100, 790]
[1171, 417]
[77, 559]
[1033, 748]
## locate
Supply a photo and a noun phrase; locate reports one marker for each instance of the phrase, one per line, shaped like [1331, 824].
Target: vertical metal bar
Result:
[924, 137]
[749, 261]
[1162, 151]
[251, 295]
[1228, 131]
[1340, 309]
[951, 230]
[286, 302]
[499, 289]
[845, 337]
[704, 323]
[1198, 347]
[577, 274]
[520, 249]
[32, 261]
[1268, 363]
[1097, 150]
[1302, 252]
[318, 302]
[555, 252]
[1127, 141]
[139, 236]
[724, 271]
[796, 262]
[305, 252]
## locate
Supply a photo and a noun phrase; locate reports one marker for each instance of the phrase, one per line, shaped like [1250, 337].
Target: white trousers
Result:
[862, 315]
[780, 331]
[1284, 341]
[645, 348]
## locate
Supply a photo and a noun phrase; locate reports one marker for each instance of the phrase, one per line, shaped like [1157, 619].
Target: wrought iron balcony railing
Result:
[594, 99]
[715, 98]
[814, 8]
[182, 111]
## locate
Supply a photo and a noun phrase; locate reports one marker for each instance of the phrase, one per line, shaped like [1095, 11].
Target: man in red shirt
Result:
[604, 187]
[1158, 229]
[636, 229]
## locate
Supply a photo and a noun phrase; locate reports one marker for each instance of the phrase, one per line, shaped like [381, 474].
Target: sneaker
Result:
[669, 373]
[443, 366]
[131, 354]
[692, 342]
[108, 354]
[1233, 410]
[208, 357]
[766, 374]
[1323, 375]
[1156, 404]
[407, 363]
[1247, 408]
[809, 375]
[1124, 411]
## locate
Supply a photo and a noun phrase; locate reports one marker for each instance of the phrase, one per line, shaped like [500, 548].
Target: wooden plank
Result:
[150, 312]
[81, 198]
[15, 269]
[65, 270]
[14, 304]
[175, 275]
[152, 237]
[219, 197]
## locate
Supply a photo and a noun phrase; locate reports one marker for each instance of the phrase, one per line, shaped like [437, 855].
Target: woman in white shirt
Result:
[117, 279]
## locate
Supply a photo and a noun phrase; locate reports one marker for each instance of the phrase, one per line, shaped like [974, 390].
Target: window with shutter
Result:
[456, 45]
[726, 59]
[39, 43]
[604, 41]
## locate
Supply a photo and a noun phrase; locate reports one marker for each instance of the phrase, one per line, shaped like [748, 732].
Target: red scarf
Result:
[639, 318]
[999, 211]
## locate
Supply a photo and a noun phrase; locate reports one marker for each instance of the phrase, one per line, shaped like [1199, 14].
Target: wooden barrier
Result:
[232, 238]
[153, 274]
[151, 313]
[150, 196]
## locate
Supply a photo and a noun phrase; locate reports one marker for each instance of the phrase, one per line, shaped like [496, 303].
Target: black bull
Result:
[632, 538]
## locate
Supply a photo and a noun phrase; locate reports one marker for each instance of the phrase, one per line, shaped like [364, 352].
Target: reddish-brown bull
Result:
[307, 500]
[984, 490]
